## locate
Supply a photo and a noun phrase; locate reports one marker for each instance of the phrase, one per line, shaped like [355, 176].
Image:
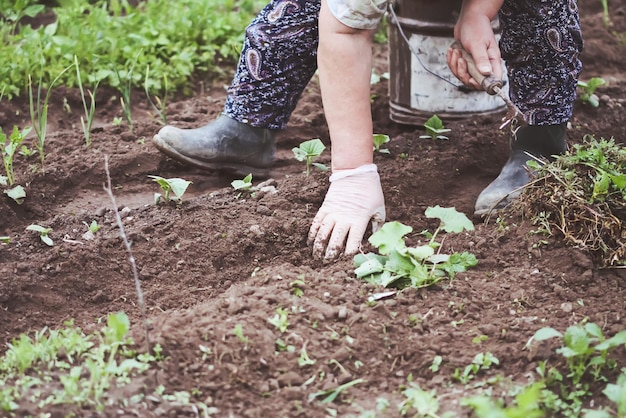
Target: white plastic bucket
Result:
[422, 87]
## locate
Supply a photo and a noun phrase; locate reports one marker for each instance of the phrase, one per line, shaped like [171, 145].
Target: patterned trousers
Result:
[541, 42]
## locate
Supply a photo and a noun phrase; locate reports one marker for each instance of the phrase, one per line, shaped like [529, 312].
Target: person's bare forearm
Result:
[345, 66]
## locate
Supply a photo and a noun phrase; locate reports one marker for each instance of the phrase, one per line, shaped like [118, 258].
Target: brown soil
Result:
[219, 259]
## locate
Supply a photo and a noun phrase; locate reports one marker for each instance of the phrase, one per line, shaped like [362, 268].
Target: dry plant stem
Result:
[131, 259]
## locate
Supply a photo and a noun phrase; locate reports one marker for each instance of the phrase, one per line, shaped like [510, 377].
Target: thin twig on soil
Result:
[131, 259]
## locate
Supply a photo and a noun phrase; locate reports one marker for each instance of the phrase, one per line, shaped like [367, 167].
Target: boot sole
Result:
[230, 167]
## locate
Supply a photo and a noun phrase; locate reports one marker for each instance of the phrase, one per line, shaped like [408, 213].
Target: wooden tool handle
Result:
[489, 82]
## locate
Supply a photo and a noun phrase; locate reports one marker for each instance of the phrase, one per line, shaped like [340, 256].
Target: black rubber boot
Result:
[542, 142]
[224, 145]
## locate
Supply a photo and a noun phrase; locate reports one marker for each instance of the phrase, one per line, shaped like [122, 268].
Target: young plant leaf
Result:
[379, 140]
[17, 193]
[390, 237]
[588, 89]
[617, 340]
[451, 219]
[368, 264]
[175, 186]
[245, 184]
[43, 233]
[308, 151]
[434, 128]
[546, 333]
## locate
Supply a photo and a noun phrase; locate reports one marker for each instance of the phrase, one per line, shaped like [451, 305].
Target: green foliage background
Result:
[176, 39]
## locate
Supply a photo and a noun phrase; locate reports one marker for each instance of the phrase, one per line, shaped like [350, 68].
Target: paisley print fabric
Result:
[278, 59]
[541, 44]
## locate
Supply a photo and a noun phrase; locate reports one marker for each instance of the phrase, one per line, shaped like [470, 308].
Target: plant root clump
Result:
[580, 198]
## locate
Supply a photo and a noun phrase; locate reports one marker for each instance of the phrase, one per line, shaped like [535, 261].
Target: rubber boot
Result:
[224, 145]
[541, 142]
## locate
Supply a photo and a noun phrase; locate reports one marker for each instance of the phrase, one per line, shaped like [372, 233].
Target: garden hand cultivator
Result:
[514, 117]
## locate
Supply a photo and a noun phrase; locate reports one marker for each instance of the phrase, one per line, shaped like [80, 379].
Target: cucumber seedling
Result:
[588, 90]
[308, 151]
[379, 140]
[434, 128]
[43, 233]
[398, 265]
[244, 185]
[173, 189]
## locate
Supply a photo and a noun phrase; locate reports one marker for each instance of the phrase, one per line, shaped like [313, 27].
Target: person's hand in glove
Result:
[353, 199]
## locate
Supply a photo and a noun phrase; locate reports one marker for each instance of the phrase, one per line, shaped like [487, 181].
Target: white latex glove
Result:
[353, 199]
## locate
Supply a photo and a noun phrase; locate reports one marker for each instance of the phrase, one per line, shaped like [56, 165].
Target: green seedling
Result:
[161, 104]
[17, 193]
[39, 110]
[304, 359]
[206, 352]
[379, 140]
[434, 367]
[435, 129]
[8, 148]
[585, 349]
[528, 404]
[86, 367]
[5, 239]
[588, 89]
[43, 233]
[280, 320]
[481, 361]
[400, 266]
[86, 122]
[238, 332]
[281, 346]
[308, 151]
[173, 189]
[375, 78]
[244, 185]
[297, 287]
[616, 393]
[424, 403]
[27, 152]
[93, 227]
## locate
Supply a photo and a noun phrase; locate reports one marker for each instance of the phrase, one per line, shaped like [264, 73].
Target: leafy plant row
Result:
[109, 38]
